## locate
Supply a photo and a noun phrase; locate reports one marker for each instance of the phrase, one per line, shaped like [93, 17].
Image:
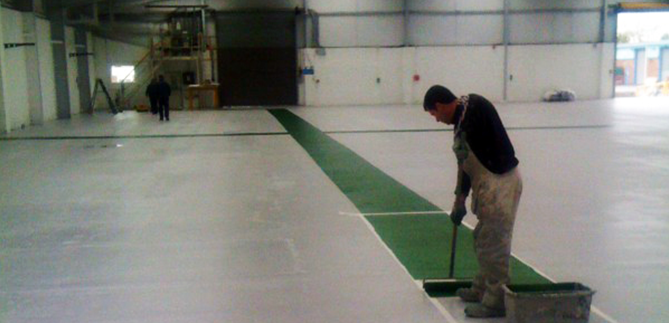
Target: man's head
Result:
[440, 103]
[161, 78]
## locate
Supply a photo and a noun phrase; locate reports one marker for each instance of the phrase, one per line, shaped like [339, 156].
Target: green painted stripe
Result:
[420, 242]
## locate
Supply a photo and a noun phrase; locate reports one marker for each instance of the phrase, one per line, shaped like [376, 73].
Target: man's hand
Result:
[459, 210]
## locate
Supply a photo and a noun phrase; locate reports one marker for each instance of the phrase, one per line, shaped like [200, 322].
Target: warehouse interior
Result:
[299, 178]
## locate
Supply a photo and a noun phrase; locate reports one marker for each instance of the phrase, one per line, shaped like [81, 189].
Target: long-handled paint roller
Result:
[447, 287]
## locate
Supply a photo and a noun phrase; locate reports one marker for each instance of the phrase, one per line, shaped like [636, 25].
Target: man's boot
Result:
[482, 311]
[469, 295]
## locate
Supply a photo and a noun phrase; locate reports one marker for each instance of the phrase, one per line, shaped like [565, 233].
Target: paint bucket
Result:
[555, 303]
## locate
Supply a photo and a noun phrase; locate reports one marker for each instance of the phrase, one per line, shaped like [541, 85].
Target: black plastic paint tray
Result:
[555, 303]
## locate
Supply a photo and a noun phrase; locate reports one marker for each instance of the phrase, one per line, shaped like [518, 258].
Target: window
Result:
[125, 74]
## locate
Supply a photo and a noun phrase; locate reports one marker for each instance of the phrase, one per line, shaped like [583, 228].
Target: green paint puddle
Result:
[420, 242]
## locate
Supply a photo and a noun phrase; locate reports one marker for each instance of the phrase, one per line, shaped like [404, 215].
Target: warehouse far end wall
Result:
[505, 50]
[28, 69]
[358, 52]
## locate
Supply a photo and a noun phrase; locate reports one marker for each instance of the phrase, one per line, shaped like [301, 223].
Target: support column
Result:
[57, 18]
[32, 69]
[4, 125]
[83, 77]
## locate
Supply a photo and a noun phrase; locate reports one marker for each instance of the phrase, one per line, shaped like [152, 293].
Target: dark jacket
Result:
[486, 135]
[152, 90]
[164, 90]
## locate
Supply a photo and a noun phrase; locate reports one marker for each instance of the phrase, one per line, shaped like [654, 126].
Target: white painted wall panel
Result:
[328, 6]
[380, 31]
[325, 6]
[349, 76]
[91, 60]
[247, 4]
[456, 5]
[585, 27]
[100, 60]
[15, 80]
[432, 30]
[552, 4]
[390, 71]
[426, 30]
[554, 28]
[46, 68]
[535, 28]
[464, 70]
[408, 72]
[606, 70]
[72, 71]
[382, 6]
[108, 53]
[338, 31]
[540, 68]
[4, 122]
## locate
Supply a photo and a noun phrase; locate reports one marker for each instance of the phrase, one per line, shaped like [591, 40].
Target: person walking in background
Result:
[487, 165]
[164, 92]
[152, 93]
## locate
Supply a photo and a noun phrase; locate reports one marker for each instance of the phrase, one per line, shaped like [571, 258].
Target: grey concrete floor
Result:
[220, 216]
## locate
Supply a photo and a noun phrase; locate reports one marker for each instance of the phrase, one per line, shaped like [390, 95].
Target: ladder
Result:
[100, 86]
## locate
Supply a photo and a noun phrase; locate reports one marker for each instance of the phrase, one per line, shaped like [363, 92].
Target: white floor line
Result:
[393, 213]
[449, 318]
[533, 268]
[436, 303]
[604, 316]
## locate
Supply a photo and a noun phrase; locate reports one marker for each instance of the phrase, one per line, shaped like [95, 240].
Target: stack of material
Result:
[559, 95]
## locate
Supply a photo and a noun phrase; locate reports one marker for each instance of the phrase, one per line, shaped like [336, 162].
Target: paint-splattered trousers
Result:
[495, 200]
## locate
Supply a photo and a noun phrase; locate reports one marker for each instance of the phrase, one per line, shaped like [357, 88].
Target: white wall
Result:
[47, 80]
[458, 30]
[15, 109]
[108, 53]
[91, 60]
[4, 122]
[459, 5]
[339, 27]
[328, 6]
[246, 4]
[361, 32]
[467, 69]
[72, 71]
[552, 4]
[347, 76]
[539, 68]
[547, 28]
[15, 81]
[457, 43]
[607, 60]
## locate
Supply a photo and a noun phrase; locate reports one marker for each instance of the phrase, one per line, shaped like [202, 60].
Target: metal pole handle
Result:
[453, 244]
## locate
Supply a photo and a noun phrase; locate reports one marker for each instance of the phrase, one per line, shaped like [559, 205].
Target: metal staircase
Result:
[184, 40]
